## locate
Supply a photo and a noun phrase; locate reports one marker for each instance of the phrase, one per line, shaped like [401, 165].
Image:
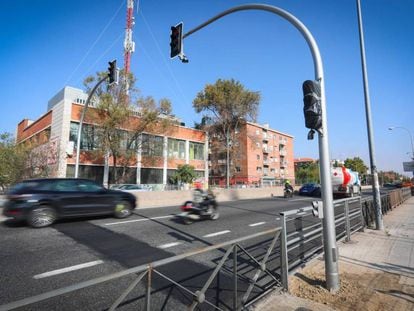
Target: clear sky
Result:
[48, 44]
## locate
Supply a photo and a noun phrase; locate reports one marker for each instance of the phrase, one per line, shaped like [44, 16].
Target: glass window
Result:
[89, 137]
[152, 145]
[196, 151]
[88, 186]
[66, 185]
[176, 148]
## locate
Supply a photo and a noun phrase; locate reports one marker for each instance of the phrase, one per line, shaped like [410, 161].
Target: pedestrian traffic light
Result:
[176, 42]
[112, 72]
[312, 106]
[317, 209]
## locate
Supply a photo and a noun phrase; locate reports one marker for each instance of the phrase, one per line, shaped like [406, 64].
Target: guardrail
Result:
[299, 238]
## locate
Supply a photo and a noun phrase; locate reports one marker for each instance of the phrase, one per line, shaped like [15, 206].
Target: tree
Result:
[184, 174]
[357, 165]
[117, 132]
[307, 172]
[225, 105]
[13, 161]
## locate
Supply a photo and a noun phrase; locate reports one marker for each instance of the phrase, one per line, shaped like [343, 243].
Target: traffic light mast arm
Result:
[330, 248]
[81, 124]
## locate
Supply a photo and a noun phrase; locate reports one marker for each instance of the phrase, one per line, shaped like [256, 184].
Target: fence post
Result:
[362, 215]
[284, 261]
[148, 295]
[347, 222]
[235, 276]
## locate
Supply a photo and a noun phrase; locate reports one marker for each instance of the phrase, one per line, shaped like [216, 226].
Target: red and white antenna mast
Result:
[129, 45]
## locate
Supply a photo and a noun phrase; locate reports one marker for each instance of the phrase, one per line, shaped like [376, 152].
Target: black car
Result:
[310, 189]
[40, 202]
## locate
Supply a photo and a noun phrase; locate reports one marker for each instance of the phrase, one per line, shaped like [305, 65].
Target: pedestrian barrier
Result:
[251, 271]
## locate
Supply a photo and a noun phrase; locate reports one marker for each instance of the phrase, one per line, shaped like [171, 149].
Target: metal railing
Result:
[299, 238]
[146, 273]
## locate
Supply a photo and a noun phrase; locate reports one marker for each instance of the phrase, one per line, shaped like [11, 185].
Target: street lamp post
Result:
[329, 234]
[375, 185]
[411, 138]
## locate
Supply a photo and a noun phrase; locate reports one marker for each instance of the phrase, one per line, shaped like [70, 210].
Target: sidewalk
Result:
[376, 272]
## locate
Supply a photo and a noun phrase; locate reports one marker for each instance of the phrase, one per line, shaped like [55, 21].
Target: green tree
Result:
[224, 106]
[357, 165]
[307, 172]
[13, 161]
[115, 134]
[184, 174]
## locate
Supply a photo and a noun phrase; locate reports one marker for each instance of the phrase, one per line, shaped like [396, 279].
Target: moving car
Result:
[40, 202]
[311, 189]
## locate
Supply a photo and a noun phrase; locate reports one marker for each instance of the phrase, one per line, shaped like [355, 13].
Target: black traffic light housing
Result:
[312, 106]
[112, 72]
[176, 42]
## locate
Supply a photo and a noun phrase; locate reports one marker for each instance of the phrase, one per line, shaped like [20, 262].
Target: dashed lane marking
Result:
[257, 224]
[168, 245]
[136, 220]
[68, 269]
[216, 234]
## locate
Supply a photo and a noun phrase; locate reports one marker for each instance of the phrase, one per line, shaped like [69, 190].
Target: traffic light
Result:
[176, 42]
[317, 209]
[312, 106]
[112, 72]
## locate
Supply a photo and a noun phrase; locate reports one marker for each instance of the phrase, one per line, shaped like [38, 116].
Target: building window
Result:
[88, 137]
[272, 170]
[196, 151]
[258, 157]
[151, 176]
[151, 145]
[176, 148]
[238, 169]
[258, 169]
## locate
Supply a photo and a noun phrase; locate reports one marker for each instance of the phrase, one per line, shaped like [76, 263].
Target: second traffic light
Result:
[112, 72]
[176, 42]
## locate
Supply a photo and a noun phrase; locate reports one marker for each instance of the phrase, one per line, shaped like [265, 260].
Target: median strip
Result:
[136, 220]
[216, 233]
[68, 269]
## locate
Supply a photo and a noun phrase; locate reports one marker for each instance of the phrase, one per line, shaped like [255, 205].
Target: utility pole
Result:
[329, 235]
[375, 184]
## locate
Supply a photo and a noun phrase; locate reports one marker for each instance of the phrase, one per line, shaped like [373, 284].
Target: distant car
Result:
[40, 202]
[389, 185]
[136, 187]
[310, 189]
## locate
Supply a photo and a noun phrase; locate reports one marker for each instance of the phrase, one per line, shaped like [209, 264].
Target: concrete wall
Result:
[171, 198]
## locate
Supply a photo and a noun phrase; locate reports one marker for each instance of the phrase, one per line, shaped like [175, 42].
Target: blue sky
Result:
[47, 44]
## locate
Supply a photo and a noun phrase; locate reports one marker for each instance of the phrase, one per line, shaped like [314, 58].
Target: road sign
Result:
[408, 166]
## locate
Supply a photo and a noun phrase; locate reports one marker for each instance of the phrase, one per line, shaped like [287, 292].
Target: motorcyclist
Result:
[200, 197]
[288, 186]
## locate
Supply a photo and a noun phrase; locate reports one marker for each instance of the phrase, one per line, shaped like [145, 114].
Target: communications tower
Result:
[129, 45]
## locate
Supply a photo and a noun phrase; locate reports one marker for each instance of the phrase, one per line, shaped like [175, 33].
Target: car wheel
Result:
[123, 209]
[42, 217]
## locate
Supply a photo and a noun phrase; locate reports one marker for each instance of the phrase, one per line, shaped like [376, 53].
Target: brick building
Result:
[157, 156]
[260, 156]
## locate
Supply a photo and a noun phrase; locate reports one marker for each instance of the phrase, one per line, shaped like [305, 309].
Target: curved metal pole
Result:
[81, 124]
[330, 248]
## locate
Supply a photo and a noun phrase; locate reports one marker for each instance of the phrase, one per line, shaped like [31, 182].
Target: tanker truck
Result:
[345, 182]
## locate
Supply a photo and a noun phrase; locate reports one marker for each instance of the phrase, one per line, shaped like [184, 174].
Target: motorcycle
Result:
[192, 211]
[288, 193]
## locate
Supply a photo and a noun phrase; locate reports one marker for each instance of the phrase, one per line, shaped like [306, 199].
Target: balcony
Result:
[283, 152]
[283, 141]
[283, 163]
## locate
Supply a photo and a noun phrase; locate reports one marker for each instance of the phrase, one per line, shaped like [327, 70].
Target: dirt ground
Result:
[362, 288]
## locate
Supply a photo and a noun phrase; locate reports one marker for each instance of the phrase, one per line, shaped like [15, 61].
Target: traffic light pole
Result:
[329, 235]
[81, 124]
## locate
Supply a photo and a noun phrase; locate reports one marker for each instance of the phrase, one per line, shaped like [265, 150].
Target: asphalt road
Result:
[35, 261]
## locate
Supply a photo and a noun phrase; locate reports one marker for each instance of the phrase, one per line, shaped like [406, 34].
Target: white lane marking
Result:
[136, 220]
[169, 245]
[216, 233]
[257, 224]
[68, 269]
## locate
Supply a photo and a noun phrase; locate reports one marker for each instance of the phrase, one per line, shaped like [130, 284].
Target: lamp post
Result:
[409, 133]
